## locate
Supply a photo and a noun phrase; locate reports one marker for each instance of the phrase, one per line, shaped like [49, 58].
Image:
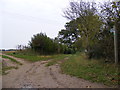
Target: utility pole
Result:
[116, 44]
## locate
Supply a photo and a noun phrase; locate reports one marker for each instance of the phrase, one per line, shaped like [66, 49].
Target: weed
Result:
[13, 60]
[4, 69]
[93, 70]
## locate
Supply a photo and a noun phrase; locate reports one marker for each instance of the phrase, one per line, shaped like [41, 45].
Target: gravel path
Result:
[37, 75]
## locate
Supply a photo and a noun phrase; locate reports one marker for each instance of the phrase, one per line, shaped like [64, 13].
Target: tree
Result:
[42, 44]
[20, 47]
[111, 15]
[88, 22]
[79, 9]
[70, 34]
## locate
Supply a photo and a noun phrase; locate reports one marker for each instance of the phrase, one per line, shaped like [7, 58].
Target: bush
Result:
[44, 45]
[69, 51]
[103, 48]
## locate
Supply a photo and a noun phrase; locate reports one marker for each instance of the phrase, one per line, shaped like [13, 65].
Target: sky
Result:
[21, 19]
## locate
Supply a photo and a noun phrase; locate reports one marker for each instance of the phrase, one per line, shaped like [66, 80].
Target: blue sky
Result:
[21, 19]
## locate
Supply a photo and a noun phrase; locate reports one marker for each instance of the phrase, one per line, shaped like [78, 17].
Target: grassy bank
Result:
[13, 60]
[94, 70]
[6, 68]
[0, 65]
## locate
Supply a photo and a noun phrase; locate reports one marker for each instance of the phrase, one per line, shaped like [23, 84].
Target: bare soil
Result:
[37, 75]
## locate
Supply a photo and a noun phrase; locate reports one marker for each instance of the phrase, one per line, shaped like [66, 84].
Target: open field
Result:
[34, 58]
[37, 75]
[42, 50]
[79, 66]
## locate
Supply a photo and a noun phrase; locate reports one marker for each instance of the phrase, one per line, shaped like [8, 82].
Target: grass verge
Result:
[0, 68]
[57, 58]
[4, 69]
[94, 70]
[13, 60]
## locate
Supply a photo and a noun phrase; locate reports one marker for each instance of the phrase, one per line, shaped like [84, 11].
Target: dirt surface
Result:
[37, 75]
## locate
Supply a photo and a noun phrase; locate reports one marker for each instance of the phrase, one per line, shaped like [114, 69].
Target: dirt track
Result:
[37, 75]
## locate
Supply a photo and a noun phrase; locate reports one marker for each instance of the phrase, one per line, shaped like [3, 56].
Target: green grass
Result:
[13, 60]
[4, 69]
[78, 65]
[34, 58]
[94, 70]
[0, 68]
[28, 57]
[57, 58]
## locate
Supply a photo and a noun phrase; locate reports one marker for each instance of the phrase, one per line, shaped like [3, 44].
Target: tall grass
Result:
[94, 70]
